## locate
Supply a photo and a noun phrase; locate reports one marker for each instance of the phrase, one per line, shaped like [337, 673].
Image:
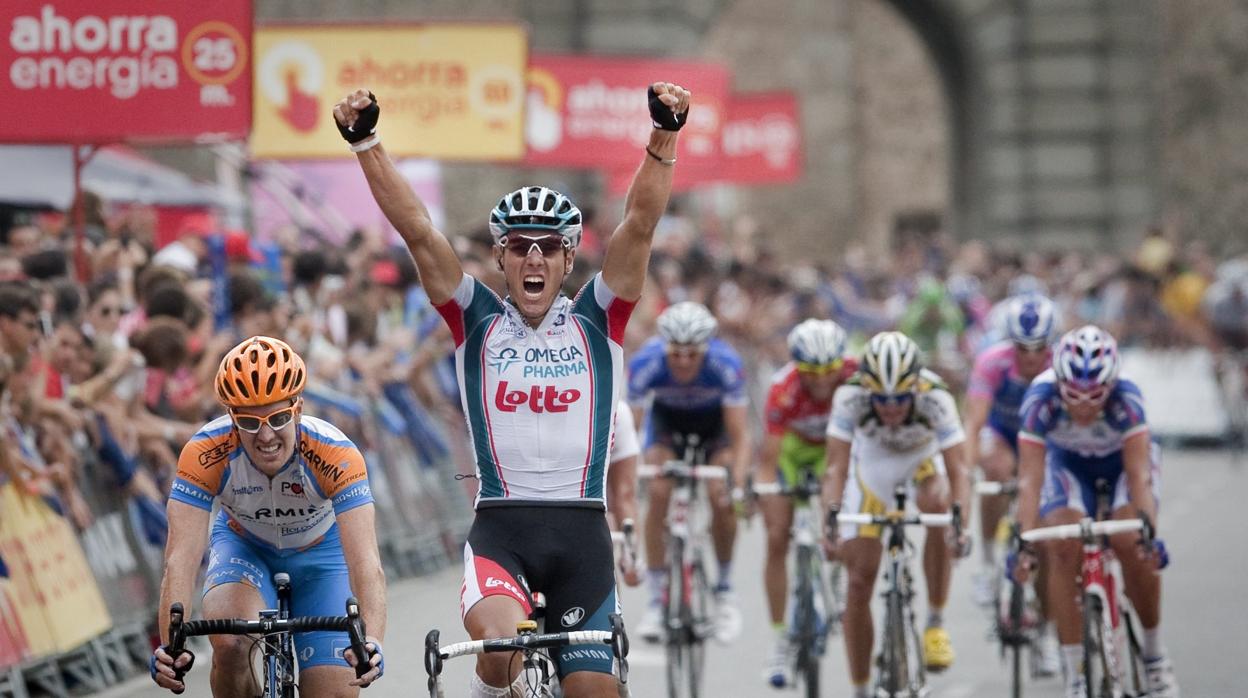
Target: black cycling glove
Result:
[365, 123]
[662, 115]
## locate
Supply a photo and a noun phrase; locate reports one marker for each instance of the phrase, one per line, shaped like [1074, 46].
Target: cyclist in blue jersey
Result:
[1082, 422]
[695, 384]
[294, 498]
[540, 376]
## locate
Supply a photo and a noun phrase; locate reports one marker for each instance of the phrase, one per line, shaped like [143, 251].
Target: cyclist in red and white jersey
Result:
[540, 377]
[799, 402]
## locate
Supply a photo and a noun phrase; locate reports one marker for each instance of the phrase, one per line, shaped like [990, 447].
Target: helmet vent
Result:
[268, 388]
[272, 360]
[242, 387]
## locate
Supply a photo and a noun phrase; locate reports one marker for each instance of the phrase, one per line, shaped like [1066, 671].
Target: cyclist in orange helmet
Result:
[294, 498]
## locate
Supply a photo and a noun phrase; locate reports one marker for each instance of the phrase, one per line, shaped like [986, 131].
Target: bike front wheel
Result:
[676, 619]
[805, 628]
[1096, 673]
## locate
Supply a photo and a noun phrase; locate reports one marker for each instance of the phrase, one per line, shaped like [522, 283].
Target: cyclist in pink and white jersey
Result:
[540, 377]
[998, 381]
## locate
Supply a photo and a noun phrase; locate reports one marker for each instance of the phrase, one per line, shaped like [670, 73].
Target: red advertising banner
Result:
[762, 140]
[591, 111]
[85, 71]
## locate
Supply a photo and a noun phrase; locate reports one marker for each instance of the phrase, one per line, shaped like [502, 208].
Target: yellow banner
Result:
[448, 91]
[50, 590]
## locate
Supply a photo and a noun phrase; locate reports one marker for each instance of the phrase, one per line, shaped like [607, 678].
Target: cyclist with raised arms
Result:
[893, 424]
[540, 375]
[796, 415]
[695, 384]
[1083, 421]
[294, 498]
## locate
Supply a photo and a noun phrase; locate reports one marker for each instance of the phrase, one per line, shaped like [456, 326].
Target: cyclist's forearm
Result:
[837, 472]
[622, 491]
[959, 471]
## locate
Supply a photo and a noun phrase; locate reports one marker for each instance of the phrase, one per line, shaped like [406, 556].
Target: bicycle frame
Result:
[896, 678]
[279, 668]
[1100, 580]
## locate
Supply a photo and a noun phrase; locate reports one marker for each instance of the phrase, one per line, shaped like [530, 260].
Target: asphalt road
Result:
[1206, 624]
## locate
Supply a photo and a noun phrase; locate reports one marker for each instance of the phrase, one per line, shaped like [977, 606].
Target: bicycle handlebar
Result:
[1085, 528]
[351, 624]
[680, 470]
[895, 517]
[519, 642]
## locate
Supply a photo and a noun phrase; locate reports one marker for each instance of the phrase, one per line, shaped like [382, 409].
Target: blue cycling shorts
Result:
[320, 584]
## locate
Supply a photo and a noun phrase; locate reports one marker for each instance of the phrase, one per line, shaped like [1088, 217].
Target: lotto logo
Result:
[492, 582]
[539, 398]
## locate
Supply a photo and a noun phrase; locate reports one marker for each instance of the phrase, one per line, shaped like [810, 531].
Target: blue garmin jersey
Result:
[720, 383]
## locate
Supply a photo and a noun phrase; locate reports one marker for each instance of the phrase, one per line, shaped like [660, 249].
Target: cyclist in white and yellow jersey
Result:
[540, 378]
[894, 424]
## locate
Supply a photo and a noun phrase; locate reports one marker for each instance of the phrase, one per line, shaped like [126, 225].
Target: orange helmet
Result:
[260, 371]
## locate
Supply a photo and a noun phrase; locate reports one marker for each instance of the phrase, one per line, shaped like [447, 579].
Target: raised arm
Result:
[440, 270]
[628, 251]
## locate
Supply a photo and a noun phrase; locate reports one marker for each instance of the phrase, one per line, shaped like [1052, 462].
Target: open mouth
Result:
[269, 450]
[534, 285]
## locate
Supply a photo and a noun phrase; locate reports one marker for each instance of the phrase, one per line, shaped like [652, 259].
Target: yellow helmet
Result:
[260, 371]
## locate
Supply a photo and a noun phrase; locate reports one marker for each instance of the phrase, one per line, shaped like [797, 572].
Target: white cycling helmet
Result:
[536, 210]
[1030, 320]
[687, 323]
[1087, 359]
[890, 364]
[817, 342]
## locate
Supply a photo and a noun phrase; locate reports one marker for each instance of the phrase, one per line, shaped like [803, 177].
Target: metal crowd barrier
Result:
[423, 516]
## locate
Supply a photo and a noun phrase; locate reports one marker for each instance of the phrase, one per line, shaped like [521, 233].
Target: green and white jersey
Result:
[540, 403]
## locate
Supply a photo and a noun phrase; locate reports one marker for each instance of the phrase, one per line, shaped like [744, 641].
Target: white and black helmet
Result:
[687, 322]
[816, 342]
[890, 364]
[536, 210]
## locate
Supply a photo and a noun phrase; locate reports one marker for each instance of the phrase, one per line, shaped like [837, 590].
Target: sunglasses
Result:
[820, 369]
[1074, 396]
[685, 351]
[522, 245]
[891, 400]
[251, 423]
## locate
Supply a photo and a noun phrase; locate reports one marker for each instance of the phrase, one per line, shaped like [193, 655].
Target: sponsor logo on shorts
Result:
[574, 615]
[493, 582]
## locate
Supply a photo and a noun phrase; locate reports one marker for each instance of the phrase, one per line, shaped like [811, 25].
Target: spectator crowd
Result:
[108, 345]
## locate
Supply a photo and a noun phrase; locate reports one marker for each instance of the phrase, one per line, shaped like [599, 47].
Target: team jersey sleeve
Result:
[982, 382]
[942, 412]
[844, 420]
[624, 444]
[1125, 410]
[203, 463]
[1037, 413]
[775, 412]
[470, 303]
[643, 370]
[731, 372]
[338, 470]
[597, 302]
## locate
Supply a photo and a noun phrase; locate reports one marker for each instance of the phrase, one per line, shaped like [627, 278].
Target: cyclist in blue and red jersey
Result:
[1083, 422]
[695, 384]
[540, 376]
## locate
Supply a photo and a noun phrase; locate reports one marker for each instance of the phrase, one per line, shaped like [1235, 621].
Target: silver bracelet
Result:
[367, 144]
[662, 161]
